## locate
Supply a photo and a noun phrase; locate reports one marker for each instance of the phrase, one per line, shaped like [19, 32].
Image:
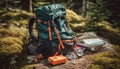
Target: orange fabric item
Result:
[39, 21]
[54, 60]
[68, 40]
[49, 32]
[75, 41]
[58, 37]
[56, 31]
[57, 51]
[38, 56]
[61, 43]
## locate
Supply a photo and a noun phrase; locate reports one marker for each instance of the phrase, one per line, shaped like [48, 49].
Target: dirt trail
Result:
[81, 63]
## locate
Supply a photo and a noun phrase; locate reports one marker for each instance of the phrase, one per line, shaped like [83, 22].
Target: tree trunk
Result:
[84, 8]
[6, 4]
[30, 6]
[52, 1]
[27, 5]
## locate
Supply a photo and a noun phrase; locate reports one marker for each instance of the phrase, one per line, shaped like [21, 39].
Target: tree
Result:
[84, 8]
[6, 4]
[52, 1]
[27, 5]
[97, 13]
[30, 6]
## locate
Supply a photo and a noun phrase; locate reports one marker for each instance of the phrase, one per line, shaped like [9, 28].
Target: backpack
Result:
[54, 33]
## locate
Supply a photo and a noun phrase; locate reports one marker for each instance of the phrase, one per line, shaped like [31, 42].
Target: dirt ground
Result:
[81, 63]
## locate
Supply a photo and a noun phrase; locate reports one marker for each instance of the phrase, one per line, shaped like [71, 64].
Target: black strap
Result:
[30, 26]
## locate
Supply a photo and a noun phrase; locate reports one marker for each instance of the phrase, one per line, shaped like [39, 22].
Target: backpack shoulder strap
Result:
[49, 31]
[30, 27]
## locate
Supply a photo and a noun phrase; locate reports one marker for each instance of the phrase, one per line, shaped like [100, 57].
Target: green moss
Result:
[93, 66]
[23, 22]
[13, 35]
[112, 36]
[117, 48]
[27, 67]
[10, 45]
[10, 16]
[16, 32]
[71, 16]
[106, 60]
[11, 38]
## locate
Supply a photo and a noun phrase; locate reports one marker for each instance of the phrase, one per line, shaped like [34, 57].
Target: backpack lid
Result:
[49, 12]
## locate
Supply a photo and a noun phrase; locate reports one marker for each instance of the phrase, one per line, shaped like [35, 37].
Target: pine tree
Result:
[96, 14]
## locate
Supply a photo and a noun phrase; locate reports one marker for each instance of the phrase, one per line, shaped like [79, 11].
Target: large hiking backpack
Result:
[53, 31]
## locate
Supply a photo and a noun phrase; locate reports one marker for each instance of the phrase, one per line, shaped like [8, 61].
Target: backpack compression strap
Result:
[61, 43]
[49, 31]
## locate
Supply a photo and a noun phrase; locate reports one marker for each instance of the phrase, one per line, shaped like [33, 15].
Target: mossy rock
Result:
[13, 31]
[10, 45]
[71, 16]
[15, 16]
[93, 66]
[106, 60]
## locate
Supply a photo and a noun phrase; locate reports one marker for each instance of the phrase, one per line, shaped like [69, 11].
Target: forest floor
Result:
[81, 63]
[14, 35]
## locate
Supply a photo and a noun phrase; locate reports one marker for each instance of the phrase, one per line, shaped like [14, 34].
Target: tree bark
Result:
[6, 4]
[30, 6]
[84, 8]
[26, 5]
[52, 1]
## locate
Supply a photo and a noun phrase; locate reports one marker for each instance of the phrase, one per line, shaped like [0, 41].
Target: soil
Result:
[81, 63]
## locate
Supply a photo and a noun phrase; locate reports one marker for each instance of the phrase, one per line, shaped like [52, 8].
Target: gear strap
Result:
[49, 31]
[58, 36]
